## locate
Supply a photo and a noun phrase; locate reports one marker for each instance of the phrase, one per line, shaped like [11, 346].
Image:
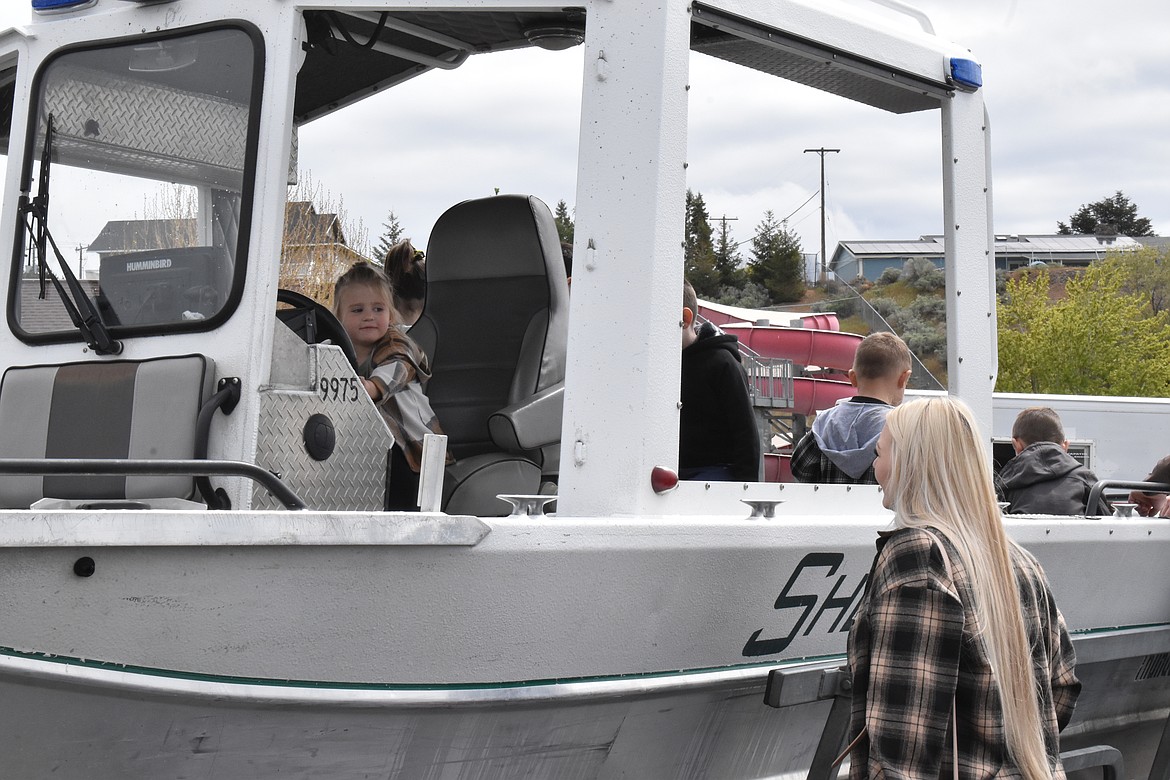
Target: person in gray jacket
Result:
[840, 447]
[1043, 479]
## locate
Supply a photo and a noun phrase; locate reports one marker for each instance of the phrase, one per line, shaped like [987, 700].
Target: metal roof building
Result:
[868, 259]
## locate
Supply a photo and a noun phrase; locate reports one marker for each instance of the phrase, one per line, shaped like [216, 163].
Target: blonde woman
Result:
[957, 619]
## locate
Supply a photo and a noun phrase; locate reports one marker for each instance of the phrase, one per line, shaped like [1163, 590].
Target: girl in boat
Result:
[393, 369]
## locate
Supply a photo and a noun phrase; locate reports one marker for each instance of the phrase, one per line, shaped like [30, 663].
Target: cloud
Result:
[1077, 95]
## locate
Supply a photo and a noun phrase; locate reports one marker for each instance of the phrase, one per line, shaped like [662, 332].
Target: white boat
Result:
[268, 618]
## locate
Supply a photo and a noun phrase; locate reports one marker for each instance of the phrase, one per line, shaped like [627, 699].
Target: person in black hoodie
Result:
[1043, 479]
[718, 438]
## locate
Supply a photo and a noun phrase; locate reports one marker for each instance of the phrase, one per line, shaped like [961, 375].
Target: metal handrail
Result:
[139, 467]
[1094, 501]
[909, 10]
[770, 381]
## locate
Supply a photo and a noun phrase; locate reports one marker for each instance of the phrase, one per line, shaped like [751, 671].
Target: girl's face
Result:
[881, 467]
[365, 314]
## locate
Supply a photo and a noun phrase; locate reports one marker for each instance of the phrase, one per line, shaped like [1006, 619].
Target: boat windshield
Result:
[151, 143]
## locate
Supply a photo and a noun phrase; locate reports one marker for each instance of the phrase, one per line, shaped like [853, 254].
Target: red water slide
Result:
[724, 315]
[803, 346]
[812, 395]
[818, 343]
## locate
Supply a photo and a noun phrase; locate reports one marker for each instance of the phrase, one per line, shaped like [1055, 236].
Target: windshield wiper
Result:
[80, 308]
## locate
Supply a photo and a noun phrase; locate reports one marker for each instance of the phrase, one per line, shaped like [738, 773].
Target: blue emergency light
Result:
[57, 6]
[966, 74]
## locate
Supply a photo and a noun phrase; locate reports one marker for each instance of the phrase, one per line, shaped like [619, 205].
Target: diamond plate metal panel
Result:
[354, 476]
[142, 124]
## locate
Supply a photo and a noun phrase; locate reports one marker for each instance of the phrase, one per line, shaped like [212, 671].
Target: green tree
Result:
[564, 221]
[777, 264]
[1113, 216]
[1097, 340]
[728, 259]
[1147, 273]
[391, 234]
[699, 251]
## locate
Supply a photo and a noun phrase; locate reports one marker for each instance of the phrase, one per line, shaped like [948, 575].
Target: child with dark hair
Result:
[393, 369]
[1043, 479]
[718, 438]
[406, 268]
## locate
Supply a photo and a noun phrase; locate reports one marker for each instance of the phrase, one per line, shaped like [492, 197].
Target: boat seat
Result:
[495, 326]
[120, 409]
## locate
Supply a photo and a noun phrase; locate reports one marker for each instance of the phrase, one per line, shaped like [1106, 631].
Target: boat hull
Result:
[72, 720]
[353, 645]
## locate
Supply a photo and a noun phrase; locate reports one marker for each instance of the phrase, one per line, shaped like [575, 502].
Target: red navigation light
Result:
[663, 479]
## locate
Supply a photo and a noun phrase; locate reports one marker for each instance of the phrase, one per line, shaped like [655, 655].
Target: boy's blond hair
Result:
[881, 355]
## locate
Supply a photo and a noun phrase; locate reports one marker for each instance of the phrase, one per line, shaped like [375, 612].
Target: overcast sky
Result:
[1078, 93]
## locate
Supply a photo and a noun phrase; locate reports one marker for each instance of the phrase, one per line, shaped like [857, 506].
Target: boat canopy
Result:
[353, 54]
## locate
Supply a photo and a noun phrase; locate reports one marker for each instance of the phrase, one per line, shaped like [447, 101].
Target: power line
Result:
[802, 205]
[785, 220]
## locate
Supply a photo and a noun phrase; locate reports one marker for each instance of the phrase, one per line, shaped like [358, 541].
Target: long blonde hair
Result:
[940, 476]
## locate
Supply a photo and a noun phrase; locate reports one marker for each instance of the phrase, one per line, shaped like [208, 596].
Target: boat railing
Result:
[908, 10]
[145, 467]
[1095, 504]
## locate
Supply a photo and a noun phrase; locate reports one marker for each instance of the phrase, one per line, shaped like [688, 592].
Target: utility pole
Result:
[724, 220]
[824, 261]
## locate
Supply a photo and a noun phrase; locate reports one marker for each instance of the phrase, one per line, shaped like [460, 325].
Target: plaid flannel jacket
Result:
[399, 367]
[914, 647]
[810, 464]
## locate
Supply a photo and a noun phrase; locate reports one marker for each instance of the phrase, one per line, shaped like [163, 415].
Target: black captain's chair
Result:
[495, 325]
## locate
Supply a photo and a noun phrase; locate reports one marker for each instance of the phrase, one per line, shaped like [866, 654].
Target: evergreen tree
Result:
[1113, 216]
[391, 235]
[699, 252]
[564, 221]
[728, 259]
[777, 263]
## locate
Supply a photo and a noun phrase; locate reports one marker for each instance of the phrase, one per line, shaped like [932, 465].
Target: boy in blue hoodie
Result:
[840, 447]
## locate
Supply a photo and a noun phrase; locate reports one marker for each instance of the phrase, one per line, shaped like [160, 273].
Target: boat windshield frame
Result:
[191, 270]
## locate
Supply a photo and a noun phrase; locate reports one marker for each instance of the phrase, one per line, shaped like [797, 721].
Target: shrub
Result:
[930, 281]
[887, 307]
[916, 267]
[928, 308]
[750, 296]
[890, 275]
[844, 307]
[925, 340]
